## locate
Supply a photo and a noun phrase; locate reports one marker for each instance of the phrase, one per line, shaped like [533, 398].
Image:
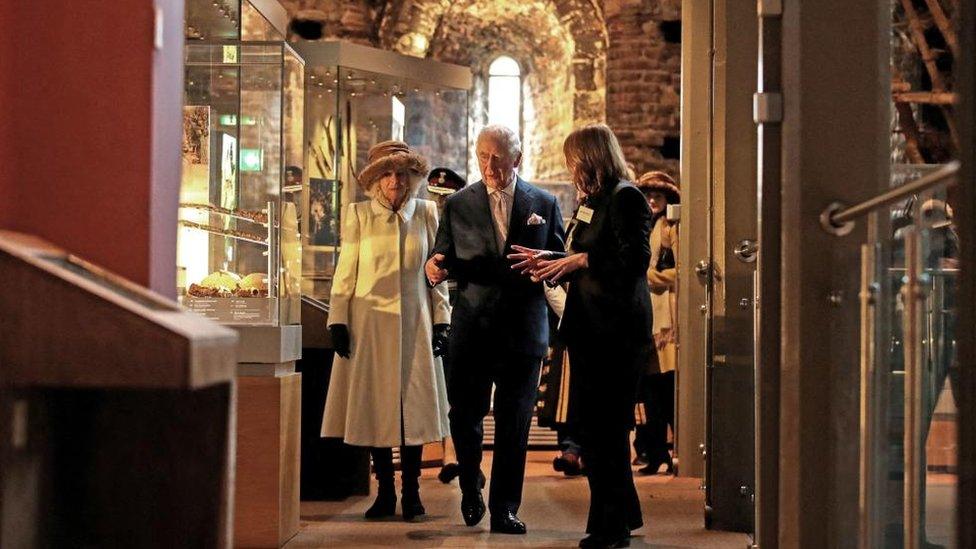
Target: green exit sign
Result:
[252, 160]
[231, 120]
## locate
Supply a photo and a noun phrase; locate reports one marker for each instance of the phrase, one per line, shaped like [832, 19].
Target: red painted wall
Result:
[77, 103]
[7, 82]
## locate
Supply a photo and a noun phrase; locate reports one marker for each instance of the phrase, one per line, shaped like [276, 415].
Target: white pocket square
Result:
[535, 219]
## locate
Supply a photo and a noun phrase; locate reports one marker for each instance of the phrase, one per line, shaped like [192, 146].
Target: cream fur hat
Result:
[391, 156]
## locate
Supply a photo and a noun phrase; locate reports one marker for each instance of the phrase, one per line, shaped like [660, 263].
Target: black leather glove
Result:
[442, 332]
[340, 339]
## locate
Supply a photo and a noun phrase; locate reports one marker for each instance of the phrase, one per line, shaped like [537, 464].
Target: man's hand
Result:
[442, 333]
[527, 258]
[435, 272]
[557, 269]
[340, 339]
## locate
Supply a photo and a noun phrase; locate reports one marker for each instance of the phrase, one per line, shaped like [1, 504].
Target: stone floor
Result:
[553, 507]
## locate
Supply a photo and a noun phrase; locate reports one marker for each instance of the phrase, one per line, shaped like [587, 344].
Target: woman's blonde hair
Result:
[594, 158]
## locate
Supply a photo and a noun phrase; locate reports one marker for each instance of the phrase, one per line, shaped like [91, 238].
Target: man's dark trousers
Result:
[515, 379]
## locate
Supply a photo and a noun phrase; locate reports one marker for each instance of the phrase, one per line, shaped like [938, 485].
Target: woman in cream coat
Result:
[389, 328]
[657, 384]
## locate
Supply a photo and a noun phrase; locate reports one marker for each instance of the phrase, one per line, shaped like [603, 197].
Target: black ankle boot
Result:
[385, 504]
[410, 457]
[411, 504]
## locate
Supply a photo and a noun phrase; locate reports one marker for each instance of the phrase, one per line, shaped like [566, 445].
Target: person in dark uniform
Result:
[607, 323]
[499, 329]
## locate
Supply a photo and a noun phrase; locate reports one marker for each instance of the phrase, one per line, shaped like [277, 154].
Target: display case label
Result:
[234, 310]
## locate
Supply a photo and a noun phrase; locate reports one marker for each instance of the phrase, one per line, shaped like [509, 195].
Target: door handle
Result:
[702, 267]
[746, 250]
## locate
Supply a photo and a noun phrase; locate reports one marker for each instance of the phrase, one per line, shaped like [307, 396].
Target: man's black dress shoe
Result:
[506, 523]
[594, 541]
[472, 507]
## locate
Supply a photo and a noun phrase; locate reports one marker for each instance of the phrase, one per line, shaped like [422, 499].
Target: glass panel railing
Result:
[936, 438]
[908, 373]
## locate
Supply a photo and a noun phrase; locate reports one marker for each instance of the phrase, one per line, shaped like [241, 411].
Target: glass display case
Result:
[357, 96]
[239, 241]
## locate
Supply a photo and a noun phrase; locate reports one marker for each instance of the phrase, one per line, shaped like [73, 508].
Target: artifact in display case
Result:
[357, 96]
[239, 242]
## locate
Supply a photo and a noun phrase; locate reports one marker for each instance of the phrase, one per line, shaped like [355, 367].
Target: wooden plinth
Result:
[266, 503]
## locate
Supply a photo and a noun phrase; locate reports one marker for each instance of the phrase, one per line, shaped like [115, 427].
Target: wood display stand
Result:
[116, 410]
[269, 401]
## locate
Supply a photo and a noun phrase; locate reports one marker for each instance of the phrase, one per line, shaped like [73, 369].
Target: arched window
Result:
[505, 93]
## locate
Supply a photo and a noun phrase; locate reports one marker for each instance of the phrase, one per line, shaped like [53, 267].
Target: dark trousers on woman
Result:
[409, 468]
[604, 392]
[657, 396]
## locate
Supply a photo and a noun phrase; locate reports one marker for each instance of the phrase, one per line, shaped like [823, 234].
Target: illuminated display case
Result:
[357, 96]
[239, 241]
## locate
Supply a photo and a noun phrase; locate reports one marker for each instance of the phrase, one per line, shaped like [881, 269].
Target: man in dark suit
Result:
[499, 325]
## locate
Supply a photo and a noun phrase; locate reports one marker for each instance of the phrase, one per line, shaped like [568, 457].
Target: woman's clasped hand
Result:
[546, 265]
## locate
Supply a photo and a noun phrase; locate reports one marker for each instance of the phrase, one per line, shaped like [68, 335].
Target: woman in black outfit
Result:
[607, 322]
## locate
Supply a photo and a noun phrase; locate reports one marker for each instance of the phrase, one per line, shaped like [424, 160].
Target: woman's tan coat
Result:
[380, 293]
[664, 295]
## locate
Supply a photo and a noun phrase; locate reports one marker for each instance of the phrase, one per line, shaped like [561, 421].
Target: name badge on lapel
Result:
[584, 214]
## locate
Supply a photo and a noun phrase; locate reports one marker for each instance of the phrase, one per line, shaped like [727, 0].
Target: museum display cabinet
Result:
[239, 245]
[357, 96]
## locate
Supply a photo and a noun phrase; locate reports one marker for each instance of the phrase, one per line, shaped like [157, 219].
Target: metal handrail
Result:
[839, 219]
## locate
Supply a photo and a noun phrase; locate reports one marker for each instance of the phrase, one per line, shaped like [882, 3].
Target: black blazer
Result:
[608, 303]
[497, 308]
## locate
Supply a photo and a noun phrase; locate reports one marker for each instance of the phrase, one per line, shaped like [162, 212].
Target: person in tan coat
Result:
[389, 327]
[657, 384]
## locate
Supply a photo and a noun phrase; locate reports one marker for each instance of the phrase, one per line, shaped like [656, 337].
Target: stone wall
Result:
[584, 61]
[643, 81]
[353, 20]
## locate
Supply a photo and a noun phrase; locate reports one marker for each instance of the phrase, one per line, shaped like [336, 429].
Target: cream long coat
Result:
[664, 295]
[380, 292]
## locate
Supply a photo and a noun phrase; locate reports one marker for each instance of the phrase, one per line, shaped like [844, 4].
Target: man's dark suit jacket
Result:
[497, 309]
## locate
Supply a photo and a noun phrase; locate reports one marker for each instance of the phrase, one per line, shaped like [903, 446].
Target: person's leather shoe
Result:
[507, 523]
[654, 466]
[568, 464]
[603, 542]
[449, 472]
[472, 507]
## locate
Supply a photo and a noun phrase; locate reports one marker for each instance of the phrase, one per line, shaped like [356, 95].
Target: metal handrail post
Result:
[870, 535]
[911, 335]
